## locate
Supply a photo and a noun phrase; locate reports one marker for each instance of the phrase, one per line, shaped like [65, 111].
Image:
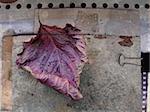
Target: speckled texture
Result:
[105, 85]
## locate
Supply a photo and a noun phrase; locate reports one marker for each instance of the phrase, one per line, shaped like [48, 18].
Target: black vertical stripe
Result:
[145, 62]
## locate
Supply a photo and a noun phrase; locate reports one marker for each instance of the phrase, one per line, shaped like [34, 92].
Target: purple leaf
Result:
[56, 57]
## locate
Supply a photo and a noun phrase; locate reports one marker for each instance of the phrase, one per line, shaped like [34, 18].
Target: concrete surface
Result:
[6, 71]
[107, 87]
[97, 21]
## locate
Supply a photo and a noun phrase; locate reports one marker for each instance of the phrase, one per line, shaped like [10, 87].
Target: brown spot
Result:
[7, 1]
[100, 36]
[126, 41]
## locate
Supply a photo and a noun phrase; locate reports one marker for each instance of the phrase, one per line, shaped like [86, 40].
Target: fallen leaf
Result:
[56, 58]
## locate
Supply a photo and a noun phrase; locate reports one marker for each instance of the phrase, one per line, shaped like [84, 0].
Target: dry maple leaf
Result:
[56, 57]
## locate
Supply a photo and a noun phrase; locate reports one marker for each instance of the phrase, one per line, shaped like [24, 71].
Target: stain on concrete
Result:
[7, 73]
[126, 41]
[100, 36]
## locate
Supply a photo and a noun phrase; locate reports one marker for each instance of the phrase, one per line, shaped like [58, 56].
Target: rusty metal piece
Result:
[122, 60]
[126, 41]
[100, 36]
[7, 1]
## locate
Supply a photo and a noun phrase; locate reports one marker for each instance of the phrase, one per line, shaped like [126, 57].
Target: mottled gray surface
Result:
[14, 14]
[105, 85]
[98, 21]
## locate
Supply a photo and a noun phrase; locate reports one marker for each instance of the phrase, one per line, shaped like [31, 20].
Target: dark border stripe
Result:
[145, 62]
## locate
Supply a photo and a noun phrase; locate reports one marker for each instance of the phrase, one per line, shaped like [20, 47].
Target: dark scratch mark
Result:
[100, 36]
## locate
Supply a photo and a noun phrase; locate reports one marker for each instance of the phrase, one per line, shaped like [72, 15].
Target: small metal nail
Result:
[122, 60]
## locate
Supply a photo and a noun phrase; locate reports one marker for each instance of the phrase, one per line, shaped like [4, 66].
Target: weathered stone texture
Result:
[105, 85]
